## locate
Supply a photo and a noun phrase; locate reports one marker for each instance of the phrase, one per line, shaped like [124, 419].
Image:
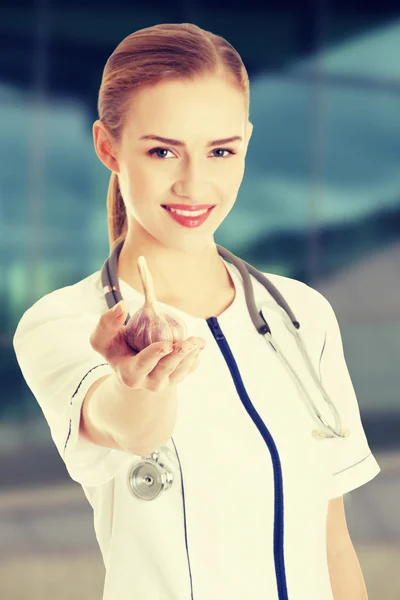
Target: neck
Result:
[176, 275]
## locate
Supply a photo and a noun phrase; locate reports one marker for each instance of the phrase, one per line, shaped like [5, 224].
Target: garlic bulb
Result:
[151, 323]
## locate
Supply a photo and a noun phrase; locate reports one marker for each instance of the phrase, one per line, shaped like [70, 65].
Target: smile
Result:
[189, 218]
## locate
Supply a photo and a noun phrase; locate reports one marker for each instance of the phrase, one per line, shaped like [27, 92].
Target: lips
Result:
[188, 207]
[189, 221]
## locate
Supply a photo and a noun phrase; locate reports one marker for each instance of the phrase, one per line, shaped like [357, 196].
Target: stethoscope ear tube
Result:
[337, 431]
[328, 431]
[109, 279]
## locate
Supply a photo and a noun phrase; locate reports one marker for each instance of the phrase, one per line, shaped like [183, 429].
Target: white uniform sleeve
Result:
[350, 460]
[59, 365]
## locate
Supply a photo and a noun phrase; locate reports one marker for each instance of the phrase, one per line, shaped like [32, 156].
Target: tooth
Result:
[186, 213]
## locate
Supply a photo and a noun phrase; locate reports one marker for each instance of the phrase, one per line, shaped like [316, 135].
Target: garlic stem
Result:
[147, 284]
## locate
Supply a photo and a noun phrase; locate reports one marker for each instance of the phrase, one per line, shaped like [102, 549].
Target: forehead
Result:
[204, 108]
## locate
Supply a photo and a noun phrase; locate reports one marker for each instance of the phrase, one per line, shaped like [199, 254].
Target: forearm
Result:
[346, 576]
[140, 421]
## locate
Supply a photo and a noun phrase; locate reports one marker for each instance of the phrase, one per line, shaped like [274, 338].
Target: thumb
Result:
[117, 311]
[107, 326]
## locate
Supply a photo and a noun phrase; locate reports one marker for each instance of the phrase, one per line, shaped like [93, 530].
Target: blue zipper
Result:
[222, 342]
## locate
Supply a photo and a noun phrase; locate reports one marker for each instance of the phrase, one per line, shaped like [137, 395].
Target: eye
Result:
[223, 150]
[154, 150]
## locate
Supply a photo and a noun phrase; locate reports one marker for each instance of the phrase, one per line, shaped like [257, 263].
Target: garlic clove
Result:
[151, 323]
[147, 284]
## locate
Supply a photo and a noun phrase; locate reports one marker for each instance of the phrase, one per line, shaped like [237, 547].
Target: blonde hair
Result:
[172, 51]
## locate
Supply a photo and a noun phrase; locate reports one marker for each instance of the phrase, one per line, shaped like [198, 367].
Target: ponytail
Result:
[117, 223]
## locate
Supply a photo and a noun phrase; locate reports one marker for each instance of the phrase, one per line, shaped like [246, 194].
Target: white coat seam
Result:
[74, 394]
[353, 465]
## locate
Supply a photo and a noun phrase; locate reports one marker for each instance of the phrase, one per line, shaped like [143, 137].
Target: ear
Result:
[103, 144]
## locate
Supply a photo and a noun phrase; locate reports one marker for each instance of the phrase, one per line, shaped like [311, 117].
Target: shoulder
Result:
[82, 298]
[300, 296]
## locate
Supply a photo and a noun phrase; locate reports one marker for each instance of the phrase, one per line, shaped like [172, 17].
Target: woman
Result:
[255, 508]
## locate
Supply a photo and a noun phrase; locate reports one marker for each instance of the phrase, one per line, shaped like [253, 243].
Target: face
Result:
[153, 173]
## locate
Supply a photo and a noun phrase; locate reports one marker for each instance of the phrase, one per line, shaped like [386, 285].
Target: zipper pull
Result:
[213, 323]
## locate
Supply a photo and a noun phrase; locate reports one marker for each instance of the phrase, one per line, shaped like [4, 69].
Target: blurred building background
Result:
[320, 202]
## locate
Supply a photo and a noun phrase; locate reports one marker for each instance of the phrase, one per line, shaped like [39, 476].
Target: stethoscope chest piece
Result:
[149, 478]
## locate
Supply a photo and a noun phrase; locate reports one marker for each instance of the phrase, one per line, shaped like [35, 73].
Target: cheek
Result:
[239, 173]
[139, 183]
[231, 183]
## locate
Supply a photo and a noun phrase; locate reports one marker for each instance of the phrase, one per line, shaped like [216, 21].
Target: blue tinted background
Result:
[320, 202]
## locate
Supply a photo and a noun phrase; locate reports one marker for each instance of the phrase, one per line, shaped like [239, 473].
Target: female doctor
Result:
[250, 503]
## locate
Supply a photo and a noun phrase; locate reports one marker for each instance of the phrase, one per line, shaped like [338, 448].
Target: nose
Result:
[194, 182]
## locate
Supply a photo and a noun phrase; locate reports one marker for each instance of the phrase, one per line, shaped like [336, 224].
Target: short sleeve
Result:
[59, 365]
[350, 461]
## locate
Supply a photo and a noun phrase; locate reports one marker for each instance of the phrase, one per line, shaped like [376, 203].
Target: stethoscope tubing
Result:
[112, 292]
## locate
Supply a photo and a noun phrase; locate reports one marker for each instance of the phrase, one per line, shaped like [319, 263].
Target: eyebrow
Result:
[179, 143]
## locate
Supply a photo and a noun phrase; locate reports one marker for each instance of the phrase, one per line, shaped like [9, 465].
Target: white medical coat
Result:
[246, 514]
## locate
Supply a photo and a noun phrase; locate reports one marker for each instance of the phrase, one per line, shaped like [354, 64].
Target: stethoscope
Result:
[152, 476]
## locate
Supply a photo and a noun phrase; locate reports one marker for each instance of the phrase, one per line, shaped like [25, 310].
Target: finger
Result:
[196, 361]
[151, 362]
[181, 350]
[167, 364]
[107, 327]
[151, 367]
[179, 371]
[186, 366]
[148, 358]
[135, 370]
